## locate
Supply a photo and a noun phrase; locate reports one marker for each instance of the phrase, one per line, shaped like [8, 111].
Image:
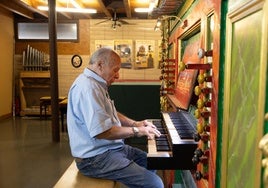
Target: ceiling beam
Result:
[128, 8]
[86, 16]
[76, 4]
[30, 8]
[104, 9]
[65, 14]
[15, 8]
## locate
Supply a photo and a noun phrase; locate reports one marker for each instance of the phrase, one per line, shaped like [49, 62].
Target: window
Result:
[39, 31]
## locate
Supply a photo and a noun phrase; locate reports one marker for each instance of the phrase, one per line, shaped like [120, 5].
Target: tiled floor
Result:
[28, 157]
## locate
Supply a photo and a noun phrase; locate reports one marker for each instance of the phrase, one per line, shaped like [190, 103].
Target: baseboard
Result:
[5, 116]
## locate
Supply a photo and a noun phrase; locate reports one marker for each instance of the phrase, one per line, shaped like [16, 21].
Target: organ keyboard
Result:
[174, 149]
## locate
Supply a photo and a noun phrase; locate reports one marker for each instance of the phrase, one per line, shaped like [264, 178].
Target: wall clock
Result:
[76, 61]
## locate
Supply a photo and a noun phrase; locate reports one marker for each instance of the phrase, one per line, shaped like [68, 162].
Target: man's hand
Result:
[148, 129]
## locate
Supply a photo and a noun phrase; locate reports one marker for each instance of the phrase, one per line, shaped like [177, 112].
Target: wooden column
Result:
[52, 21]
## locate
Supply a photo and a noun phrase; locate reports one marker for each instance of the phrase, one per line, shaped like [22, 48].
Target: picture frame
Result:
[76, 61]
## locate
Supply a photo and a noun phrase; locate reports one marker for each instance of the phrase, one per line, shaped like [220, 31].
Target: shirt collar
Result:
[95, 76]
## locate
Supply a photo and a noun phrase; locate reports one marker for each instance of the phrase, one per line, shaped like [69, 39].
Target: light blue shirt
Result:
[90, 112]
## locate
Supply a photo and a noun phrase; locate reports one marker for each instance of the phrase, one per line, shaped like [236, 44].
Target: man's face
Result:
[111, 70]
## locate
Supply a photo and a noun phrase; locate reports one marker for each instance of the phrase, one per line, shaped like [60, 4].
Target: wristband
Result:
[135, 131]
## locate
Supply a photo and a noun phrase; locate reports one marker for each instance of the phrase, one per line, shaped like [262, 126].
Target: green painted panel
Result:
[223, 13]
[242, 125]
[137, 101]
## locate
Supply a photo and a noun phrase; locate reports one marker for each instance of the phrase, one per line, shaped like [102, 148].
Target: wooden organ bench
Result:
[72, 178]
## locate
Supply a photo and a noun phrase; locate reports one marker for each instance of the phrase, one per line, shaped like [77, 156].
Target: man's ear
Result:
[100, 64]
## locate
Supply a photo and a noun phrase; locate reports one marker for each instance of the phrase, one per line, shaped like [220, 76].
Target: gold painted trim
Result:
[185, 35]
[262, 88]
[195, 28]
[179, 51]
[185, 8]
[226, 105]
[241, 12]
[246, 9]
[206, 29]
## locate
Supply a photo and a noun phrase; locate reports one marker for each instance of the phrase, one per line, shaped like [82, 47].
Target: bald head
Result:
[106, 63]
[104, 55]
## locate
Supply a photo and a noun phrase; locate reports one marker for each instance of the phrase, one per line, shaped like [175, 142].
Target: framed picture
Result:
[124, 50]
[104, 44]
[144, 56]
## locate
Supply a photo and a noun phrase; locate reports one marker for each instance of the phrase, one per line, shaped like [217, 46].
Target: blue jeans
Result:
[126, 165]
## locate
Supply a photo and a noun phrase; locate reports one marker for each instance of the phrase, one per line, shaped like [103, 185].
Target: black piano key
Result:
[180, 123]
[162, 148]
[161, 138]
[162, 130]
[185, 130]
[174, 114]
[162, 143]
[159, 127]
[179, 120]
[183, 127]
[157, 123]
[186, 136]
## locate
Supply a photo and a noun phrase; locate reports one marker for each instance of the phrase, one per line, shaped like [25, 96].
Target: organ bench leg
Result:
[44, 103]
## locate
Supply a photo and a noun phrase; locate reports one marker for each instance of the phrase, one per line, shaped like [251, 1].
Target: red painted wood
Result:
[198, 15]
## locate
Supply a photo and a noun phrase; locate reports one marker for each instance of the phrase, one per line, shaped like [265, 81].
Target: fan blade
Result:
[103, 21]
[125, 22]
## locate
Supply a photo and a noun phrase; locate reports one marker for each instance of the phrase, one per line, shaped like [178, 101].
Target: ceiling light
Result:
[141, 10]
[162, 18]
[156, 28]
[75, 4]
[143, 1]
[158, 22]
[73, 10]
[152, 5]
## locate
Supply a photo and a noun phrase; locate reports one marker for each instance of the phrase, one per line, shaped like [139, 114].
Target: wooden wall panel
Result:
[6, 64]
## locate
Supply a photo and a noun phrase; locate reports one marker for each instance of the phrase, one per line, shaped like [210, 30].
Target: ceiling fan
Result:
[116, 21]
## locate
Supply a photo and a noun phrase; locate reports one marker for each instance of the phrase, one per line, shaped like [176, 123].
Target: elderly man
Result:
[96, 130]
